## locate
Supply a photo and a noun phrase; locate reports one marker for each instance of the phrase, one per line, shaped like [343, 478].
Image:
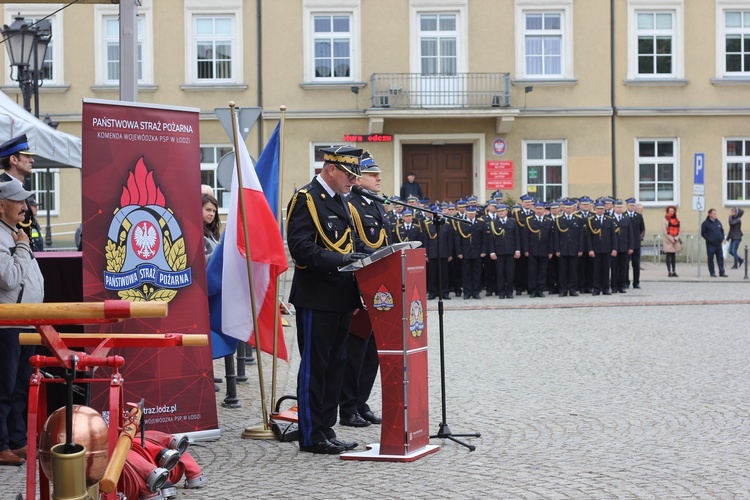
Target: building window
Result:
[657, 170]
[737, 168]
[655, 43]
[111, 50]
[543, 43]
[655, 39]
[736, 27]
[52, 65]
[544, 169]
[107, 53]
[332, 42]
[544, 39]
[210, 156]
[438, 42]
[39, 188]
[214, 48]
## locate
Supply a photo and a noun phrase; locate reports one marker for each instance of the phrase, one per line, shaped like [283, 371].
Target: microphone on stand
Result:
[369, 194]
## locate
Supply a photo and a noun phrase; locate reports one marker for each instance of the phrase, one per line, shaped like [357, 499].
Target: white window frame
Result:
[725, 159]
[38, 11]
[41, 194]
[677, 8]
[310, 9]
[145, 13]
[565, 9]
[676, 172]
[221, 193]
[723, 6]
[219, 8]
[458, 7]
[563, 162]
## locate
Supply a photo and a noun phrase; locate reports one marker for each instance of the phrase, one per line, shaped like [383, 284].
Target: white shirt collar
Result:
[325, 185]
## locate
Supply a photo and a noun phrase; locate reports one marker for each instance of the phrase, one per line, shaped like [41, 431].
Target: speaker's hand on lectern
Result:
[352, 257]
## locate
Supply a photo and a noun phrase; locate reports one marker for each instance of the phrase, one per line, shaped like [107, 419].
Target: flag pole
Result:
[276, 325]
[260, 433]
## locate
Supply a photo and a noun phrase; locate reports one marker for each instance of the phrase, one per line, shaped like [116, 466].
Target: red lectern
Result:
[393, 284]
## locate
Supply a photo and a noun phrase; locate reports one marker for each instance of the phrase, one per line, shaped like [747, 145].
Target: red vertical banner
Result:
[143, 241]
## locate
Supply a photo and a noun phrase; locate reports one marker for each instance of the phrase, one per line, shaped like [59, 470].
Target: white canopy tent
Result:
[59, 148]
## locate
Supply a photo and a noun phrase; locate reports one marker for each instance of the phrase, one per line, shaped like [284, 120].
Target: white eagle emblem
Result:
[145, 240]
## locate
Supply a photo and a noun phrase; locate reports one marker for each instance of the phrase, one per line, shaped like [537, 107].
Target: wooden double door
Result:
[443, 171]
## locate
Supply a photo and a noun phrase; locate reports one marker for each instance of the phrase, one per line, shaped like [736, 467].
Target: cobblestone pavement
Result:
[642, 395]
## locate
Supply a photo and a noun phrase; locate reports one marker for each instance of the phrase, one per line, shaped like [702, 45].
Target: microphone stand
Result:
[444, 432]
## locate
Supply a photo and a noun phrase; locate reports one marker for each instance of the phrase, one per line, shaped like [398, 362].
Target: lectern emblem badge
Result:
[416, 315]
[145, 250]
[383, 300]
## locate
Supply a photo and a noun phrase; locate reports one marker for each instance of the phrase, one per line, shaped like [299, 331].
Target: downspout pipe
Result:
[613, 138]
[259, 22]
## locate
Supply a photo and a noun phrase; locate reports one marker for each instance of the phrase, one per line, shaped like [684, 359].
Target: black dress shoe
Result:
[478, 297]
[723, 276]
[489, 294]
[594, 293]
[519, 292]
[574, 294]
[446, 297]
[563, 294]
[622, 290]
[635, 285]
[587, 290]
[501, 296]
[431, 296]
[466, 297]
[510, 295]
[354, 420]
[325, 447]
[371, 417]
[607, 293]
[346, 445]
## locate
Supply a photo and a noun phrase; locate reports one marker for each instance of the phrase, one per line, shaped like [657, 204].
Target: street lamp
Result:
[48, 195]
[27, 46]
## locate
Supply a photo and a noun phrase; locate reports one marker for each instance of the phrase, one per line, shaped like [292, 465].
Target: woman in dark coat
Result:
[735, 235]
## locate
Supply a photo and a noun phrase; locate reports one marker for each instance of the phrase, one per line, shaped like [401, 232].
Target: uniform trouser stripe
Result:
[304, 325]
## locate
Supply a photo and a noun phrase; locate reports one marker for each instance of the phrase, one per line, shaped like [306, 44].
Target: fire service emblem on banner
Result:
[145, 249]
[416, 315]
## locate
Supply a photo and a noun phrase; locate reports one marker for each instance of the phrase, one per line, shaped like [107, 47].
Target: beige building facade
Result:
[554, 97]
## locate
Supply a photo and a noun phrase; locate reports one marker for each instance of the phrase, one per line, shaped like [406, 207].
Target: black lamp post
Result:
[27, 46]
[48, 193]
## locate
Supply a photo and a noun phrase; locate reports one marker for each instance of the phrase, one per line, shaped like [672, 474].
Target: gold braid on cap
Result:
[361, 229]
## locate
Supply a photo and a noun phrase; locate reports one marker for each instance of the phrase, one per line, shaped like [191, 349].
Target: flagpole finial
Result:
[232, 104]
[282, 108]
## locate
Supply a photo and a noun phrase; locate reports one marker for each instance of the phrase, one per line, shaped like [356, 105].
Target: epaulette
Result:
[578, 214]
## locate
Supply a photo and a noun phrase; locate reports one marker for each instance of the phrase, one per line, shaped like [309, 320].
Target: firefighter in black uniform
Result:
[470, 250]
[361, 350]
[571, 241]
[624, 247]
[406, 229]
[503, 245]
[17, 161]
[522, 264]
[539, 246]
[320, 239]
[600, 241]
[489, 271]
[585, 263]
[438, 258]
[639, 231]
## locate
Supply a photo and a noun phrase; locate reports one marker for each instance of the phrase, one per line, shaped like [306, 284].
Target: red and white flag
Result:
[268, 259]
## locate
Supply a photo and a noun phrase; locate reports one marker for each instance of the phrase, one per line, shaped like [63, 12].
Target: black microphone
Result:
[369, 194]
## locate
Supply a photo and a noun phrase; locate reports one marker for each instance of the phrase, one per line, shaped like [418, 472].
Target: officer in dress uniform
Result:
[600, 241]
[539, 246]
[407, 229]
[571, 241]
[503, 245]
[639, 231]
[321, 239]
[17, 160]
[624, 247]
[394, 215]
[585, 263]
[489, 271]
[522, 264]
[439, 247]
[469, 249]
[361, 350]
[553, 266]
[454, 267]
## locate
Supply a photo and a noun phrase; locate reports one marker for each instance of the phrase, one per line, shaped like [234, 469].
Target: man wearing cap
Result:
[600, 241]
[394, 215]
[623, 245]
[522, 264]
[21, 281]
[585, 263]
[503, 245]
[539, 246]
[470, 250]
[639, 232]
[438, 239]
[361, 351]
[17, 161]
[489, 271]
[553, 266]
[406, 229]
[321, 239]
[571, 237]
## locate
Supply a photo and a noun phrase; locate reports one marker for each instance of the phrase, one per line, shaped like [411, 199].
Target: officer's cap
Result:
[471, 208]
[539, 204]
[526, 197]
[585, 199]
[346, 158]
[367, 164]
[554, 204]
[471, 199]
[619, 203]
[569, 202]
[502, 206]
[412, 198]
[599, 203]
[16, 145]
[492, 203]
[461, 203]
[407, 211]
[630, 201]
